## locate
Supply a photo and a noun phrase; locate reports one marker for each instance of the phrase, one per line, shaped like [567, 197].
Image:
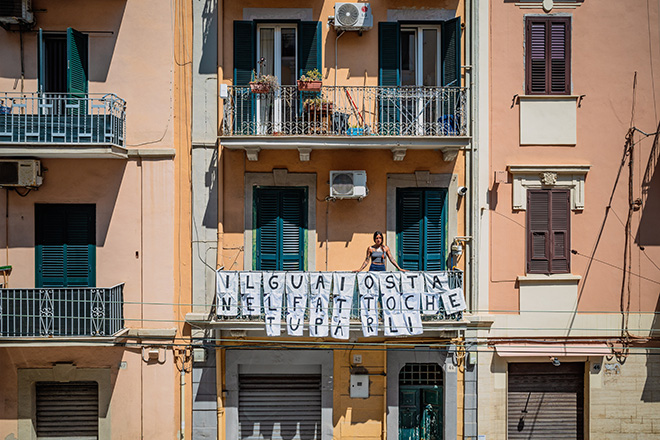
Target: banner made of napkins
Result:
[403, 296]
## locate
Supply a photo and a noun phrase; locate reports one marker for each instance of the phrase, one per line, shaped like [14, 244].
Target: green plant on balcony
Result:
[310, 81]
[263, 83]
[320, 105]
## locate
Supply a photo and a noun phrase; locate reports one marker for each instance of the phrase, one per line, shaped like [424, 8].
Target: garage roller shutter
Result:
[279, 406]
[545, 401]
[67, 410]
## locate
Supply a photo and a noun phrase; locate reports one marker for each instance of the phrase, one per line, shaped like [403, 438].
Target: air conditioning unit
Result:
[348, 184]
[353, 16]
[20, 173]
[16, 12]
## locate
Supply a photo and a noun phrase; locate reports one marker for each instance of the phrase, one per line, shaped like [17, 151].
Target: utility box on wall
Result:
[359, 386]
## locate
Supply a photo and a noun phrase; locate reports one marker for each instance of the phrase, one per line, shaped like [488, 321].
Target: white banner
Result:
[369, 292]
[320, 284]
[454, 301]
[273, 292]
[297, 289]
[227, 293]
[251, 293]
[390, 289]
[412, 286]
[436, 284]
[343, 287]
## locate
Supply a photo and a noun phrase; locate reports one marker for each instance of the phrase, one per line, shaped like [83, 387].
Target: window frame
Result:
[547, 21]
[550, 233]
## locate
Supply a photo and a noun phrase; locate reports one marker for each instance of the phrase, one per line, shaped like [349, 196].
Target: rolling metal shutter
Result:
[279, 406]
[545, 401]
[67, 410]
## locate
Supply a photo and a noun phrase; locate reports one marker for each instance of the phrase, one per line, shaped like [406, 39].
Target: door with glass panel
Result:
[420, 75]
[277, 56]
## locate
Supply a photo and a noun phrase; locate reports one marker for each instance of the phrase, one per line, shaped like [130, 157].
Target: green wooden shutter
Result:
[451, 53]
[389, 77]
[41, 62]
[76, 67]
[410, 228]
[280, 219]
[434, 230]
[65, 245]
[244, 64]
[309, 46]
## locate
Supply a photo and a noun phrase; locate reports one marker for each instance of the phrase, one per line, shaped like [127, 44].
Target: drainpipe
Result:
[183, 399]
[221, 156]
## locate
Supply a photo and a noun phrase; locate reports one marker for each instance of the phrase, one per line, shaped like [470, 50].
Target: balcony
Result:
[439, 321]
[62, 125]
[66, 311]
[346, 117]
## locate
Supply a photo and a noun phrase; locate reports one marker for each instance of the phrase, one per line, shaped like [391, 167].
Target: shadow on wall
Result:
[647, 234]
[208, 64]
[651, 391]
[101, 20]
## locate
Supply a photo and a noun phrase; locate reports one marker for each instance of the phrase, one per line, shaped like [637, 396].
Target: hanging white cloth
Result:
[412, 287]
[342, 297]
[297, 290]
[436, 284]
[454, 301]
[390, 289]
[226, 293]
[274, 283]
[250, 293]
[368, 288]
[320, 284]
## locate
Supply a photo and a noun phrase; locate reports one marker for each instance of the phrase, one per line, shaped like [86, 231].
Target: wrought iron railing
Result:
[455, 280]
[346, 111]
[62, 311]
[62, 119]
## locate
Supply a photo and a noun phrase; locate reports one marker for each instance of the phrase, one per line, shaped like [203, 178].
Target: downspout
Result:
[182, 399]
[219, 367]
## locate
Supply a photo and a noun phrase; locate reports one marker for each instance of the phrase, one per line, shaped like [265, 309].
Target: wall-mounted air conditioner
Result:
[16, 12]
[353, 16]
[348, 184]
[20, 173]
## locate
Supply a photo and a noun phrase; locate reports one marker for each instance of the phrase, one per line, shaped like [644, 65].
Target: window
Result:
[65, 245]
[420, 228]
[281, 223]
[548, 226]
[63, 65]
[548, 55]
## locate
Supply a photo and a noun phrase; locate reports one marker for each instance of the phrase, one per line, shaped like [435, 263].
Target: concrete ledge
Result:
[152, 153]
[549, 279]
[151, 333]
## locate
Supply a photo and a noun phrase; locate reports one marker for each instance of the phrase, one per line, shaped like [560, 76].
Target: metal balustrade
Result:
[346, 111]
[61, 311]
[455, 279]
[62, 119]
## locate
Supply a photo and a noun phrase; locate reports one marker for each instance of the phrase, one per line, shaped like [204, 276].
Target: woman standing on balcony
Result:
[377, 254]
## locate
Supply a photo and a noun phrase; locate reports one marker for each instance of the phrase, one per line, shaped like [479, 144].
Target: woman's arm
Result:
[366, 260]
[389, 256]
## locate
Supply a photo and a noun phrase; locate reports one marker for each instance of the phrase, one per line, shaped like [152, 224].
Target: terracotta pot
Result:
[309, 86]
[257, 87]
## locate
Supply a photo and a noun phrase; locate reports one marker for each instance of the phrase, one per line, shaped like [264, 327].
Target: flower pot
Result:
[259, 87]
[355, 131]
[309, 86]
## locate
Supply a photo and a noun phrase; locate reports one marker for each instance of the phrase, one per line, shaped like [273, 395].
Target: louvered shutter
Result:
[410, 229]
[41, 62]
[293, 237]
[67, 410]
[389, 77]
[434, 221]
[76, 68]
[267, 213]
[309, 46]
[548, 55]
[279, 407]
[244, 64]
[560, 227]
[451, 53]
[545, 401]
[50, 245]
[538, 230]
[80, 247]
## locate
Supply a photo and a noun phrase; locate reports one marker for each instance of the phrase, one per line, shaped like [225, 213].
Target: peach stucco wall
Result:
[608, 47]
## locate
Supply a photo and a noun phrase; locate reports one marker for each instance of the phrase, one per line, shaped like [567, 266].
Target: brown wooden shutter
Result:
[538, 231]
[560, 230]
[548, 53]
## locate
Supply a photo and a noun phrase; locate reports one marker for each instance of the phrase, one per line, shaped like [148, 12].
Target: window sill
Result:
[548, 279]
[566, 97]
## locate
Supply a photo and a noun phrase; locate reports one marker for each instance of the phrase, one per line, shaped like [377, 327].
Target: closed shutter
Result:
[65, 245]
[560, 226]
[279, 406]
[67, 410]
[545, 401]
[281, 224]
[309, 46]
[548, 46]
[421, 219]
[548, 231]
[244, 64]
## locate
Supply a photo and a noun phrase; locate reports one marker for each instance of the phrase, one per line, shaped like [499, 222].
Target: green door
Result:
[420, 412]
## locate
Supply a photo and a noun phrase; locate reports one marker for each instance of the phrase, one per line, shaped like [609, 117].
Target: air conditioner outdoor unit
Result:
[353, 16]
[20, 173]
[16, 12]
[348, 184]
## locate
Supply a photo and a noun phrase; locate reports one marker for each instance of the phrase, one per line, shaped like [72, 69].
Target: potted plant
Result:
[310, 81]
[263, 83]
[317, 105]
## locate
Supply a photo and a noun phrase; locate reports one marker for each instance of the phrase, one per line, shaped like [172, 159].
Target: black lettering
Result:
[270, 319]
[389, 281]
[319, 305]
[430, 302]
[370, 321]
[247, 283]
[412, 279]
[291, 325]
[452, 297]
[272, 282]
[393, 329]
[226, 302]
[338, 302]
[436, 280]
[296, 301]
[293, 282]
[320, 282]
[368, 299]
[226, 286]
[248, 303]
[405, 301]
[410, 325]
[369, 282]
[318, 321]
[392, 305]
[341, 285]
[338, 329]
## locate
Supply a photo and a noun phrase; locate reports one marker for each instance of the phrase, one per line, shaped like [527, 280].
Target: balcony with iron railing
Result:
[62, 125]
[61, 312]
[357, 116]
[242, 321]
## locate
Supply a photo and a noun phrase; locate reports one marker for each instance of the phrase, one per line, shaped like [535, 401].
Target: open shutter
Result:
[41, 62]
[538, 231]
[309, 46]
[560, 227]
[50, 245]
[244, 64]
[267, 209]
[451, 53]
[76, 71]
[389, 77]
[434, 221]
[410, 229]
[293, 238]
